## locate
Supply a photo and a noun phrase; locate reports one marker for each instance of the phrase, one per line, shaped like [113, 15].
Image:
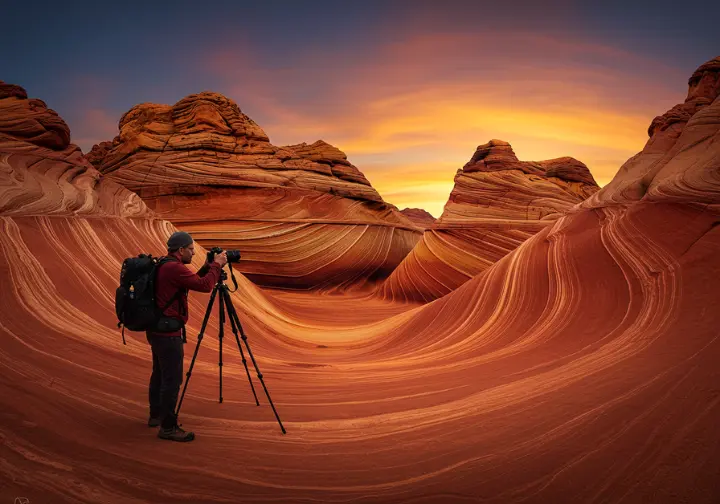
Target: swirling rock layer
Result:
[580, 367]
[302, 215]
[497, 203]
[667, 170]
[41, 172]
[294, 238]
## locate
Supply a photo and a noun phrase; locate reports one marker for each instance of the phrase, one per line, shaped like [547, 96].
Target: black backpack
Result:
[135, 304]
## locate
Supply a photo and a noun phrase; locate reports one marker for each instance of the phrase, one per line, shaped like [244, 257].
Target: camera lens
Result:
[233, 256]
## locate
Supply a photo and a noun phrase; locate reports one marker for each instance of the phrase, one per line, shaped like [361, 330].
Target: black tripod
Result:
[225, 304]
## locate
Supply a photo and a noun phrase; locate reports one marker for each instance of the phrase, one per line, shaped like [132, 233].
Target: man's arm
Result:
[188, 280]
[204, 270]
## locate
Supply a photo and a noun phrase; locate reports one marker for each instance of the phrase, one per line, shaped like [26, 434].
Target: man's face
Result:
[187, 253]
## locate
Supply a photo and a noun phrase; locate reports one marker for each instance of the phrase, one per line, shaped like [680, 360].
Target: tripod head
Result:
[224, 277]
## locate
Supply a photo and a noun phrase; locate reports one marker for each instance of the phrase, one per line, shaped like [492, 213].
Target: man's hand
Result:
[221, 259]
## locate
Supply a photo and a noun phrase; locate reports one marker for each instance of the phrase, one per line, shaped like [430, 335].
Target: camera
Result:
[233, 256]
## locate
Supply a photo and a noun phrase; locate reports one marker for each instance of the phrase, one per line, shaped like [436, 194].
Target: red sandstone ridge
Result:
[497, 203]
[302, 215]
[581, 367]
[494, 184]
[43, 173]
[98, 153]
[420, 217]
[323, 153]
[660, 172]
[205, 139]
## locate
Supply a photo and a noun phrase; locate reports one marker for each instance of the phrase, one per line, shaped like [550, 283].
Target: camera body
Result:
[233, 256]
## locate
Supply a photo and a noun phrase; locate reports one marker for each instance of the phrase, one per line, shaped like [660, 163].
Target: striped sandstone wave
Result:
[302, 215]
[579, 367]
[497, 203]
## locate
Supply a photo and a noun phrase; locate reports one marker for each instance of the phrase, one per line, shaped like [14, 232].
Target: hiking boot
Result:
[175, 434]
[154, 422]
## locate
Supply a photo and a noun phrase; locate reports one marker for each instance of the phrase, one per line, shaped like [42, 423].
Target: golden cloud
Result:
[429, 100]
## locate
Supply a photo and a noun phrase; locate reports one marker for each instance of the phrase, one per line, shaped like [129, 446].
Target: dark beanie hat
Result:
[179, 239]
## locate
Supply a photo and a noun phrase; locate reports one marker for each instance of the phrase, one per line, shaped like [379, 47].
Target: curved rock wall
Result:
[41, 172]
[497, 203]
[302, 215]
[581, 366]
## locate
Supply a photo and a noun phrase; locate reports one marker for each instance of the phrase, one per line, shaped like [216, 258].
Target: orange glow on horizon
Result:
[408, 119]
[411, 110]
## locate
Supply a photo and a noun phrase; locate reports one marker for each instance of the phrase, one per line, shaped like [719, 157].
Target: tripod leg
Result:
[197, 348]
[221, 335]
[234, 316]
[242, 354]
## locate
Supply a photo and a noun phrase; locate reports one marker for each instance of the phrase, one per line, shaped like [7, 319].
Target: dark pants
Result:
[167, 376]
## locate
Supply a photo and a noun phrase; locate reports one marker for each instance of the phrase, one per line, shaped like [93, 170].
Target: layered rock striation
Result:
[42, 173]
[581, 367]
[497, 203]
[302, 215]
[668, 169]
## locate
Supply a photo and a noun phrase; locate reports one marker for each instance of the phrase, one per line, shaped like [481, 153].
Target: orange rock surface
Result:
[580, 367]
[41, 172]
[497, 203]
[421, 218]
[668, 169]
[302, 215]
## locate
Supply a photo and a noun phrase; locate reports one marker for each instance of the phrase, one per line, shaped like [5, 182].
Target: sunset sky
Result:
[406, 89]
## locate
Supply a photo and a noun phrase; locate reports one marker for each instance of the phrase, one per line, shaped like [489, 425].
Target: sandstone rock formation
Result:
[497, 203]
[581, 366]
[302, 215]
[41, 172]
[420, 217]
[668, 169]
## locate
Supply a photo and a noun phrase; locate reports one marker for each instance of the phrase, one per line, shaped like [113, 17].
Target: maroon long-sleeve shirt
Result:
[173, 276]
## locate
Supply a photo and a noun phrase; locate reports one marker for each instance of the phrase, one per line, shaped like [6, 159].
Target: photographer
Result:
[173, 282]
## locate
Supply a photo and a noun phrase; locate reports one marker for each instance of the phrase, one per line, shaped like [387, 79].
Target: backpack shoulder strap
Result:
[172, 300]
[175, 296]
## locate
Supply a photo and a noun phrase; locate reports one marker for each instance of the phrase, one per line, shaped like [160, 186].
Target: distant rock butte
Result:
[302, 215]
[43, 173]
[497, 203]
[494, 184]
[421, 218]
[497, 155]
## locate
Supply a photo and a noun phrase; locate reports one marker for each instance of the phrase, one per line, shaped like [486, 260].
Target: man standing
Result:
[173, 282]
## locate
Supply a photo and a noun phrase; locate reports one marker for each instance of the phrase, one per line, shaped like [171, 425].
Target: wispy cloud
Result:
[437, 96]
[395, 85]
[428, 99]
